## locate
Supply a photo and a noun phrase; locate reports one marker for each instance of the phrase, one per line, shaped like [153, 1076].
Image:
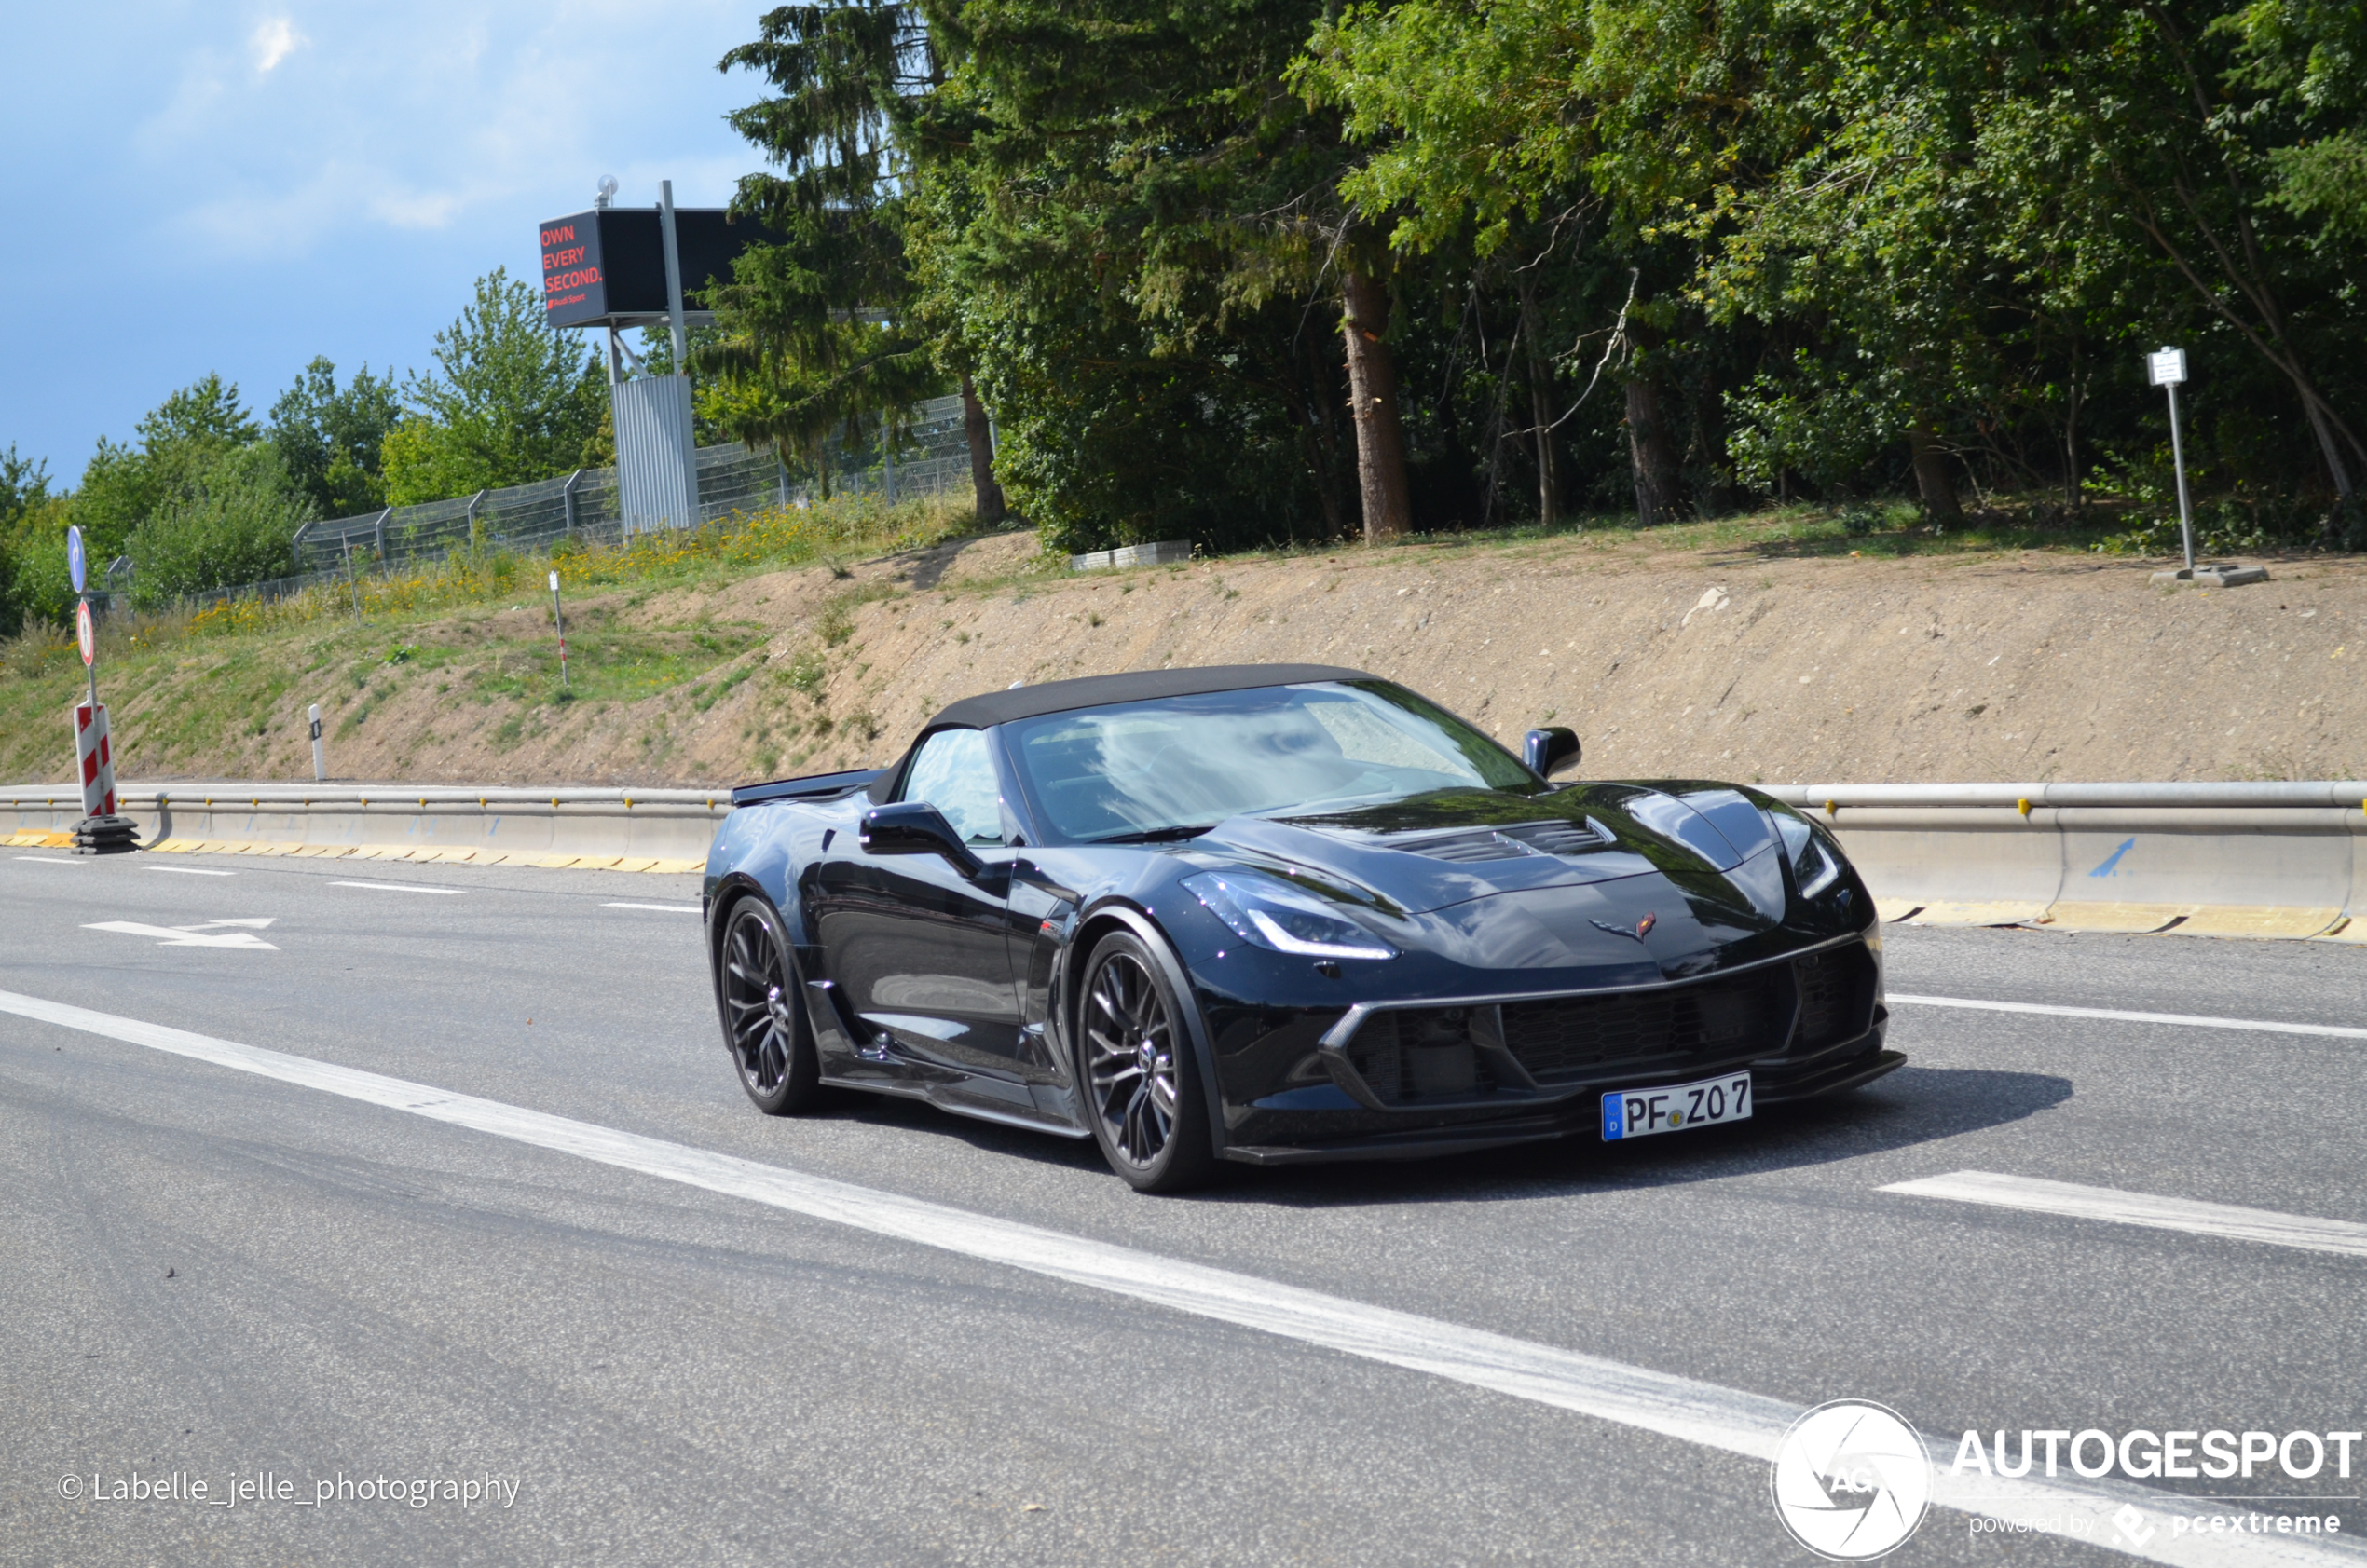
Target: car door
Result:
[919, 948]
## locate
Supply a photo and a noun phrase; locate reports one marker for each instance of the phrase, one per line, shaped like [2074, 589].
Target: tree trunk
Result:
[1372, 396]
[1932, 480]
[980, 433]
[1652, 455]
[1540, 405]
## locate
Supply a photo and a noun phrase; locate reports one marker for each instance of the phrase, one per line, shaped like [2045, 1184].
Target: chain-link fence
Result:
[733, 479]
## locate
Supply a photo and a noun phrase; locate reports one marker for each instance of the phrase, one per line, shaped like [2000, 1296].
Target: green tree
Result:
[817, 337]
[24, 487]
[179, 440]
[332, 437]
[236, 526]
[510, 402]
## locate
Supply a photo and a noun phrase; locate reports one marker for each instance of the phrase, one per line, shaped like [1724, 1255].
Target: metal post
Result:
[673, 280]
[887, 459]
[681, 349]
[470, 518]
[567, 497]
[559, 620]
[2177, 456]
[2166, 368]
[354, 582]
[378, 532]
[320, 756]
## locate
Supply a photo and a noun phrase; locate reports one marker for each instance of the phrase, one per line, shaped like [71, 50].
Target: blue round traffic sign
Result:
[77, 564]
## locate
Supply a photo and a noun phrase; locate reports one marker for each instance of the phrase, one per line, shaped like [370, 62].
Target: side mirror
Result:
[916, 827]
[1545, 750]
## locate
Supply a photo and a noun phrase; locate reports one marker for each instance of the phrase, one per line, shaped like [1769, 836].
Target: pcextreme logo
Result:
[1851, 1481]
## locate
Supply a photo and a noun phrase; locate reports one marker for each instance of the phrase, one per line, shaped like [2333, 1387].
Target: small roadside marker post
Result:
[2166, 368]
[320, 754]
[560, 622]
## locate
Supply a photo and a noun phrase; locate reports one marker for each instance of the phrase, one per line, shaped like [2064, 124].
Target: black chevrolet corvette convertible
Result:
[1282, 913]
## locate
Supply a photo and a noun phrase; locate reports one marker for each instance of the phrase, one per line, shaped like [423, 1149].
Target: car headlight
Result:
[1274, 914]
[1816, 864]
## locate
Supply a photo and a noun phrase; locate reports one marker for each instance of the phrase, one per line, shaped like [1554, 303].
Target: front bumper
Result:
[1421, 1078]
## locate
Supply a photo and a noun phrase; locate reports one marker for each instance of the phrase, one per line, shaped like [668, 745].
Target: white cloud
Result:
[273, 40]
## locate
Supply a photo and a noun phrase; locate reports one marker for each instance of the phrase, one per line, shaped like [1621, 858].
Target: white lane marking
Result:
[1727, 1419]
[48, 859]
[2140, 1208]
[2333, 1031]
[191, 870]
[665, 908]
[184, 936]
[257, 921]
[395, 887]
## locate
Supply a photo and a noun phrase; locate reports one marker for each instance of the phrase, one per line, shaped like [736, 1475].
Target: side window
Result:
[955, 773]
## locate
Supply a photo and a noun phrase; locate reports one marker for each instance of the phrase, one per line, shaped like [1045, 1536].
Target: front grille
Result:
[1562, 1039]
[1407, 1055]
[1836, 997]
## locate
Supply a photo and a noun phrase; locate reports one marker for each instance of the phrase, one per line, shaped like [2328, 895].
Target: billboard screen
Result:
[574, 293]
[606, 267]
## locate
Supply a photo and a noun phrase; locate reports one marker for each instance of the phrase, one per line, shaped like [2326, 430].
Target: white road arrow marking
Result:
[169, 937]
[257, 921]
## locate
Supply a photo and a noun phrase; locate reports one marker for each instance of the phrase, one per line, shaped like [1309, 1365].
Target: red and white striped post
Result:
[93, 760]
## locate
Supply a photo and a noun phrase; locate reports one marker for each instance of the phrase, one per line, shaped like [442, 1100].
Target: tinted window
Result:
[1183, 762]
[955, 773]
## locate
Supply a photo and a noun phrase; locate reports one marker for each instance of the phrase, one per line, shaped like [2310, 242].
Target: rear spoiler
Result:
[818, 786]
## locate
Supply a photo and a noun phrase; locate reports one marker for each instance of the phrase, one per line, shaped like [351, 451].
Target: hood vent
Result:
[1508, 843]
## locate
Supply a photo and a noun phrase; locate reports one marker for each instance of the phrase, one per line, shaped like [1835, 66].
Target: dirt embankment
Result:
[1727, 665]
[1773, 670]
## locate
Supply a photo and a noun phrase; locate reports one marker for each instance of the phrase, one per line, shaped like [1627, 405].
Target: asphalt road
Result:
[208, 1274]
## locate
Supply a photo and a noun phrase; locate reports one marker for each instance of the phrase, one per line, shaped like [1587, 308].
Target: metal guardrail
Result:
[2205, 859]
[630, 829]
[2272, 859]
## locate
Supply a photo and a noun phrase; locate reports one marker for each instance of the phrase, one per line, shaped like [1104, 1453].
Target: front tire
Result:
[1139, 1070]
[764, 1023]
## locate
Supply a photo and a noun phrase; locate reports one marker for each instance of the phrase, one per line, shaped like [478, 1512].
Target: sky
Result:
[194, 187]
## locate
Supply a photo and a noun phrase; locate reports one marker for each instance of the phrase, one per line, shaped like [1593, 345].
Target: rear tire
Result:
[1139, 1070]
[765, 1027]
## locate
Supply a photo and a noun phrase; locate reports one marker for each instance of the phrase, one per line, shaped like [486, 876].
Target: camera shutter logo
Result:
[1851, 1481]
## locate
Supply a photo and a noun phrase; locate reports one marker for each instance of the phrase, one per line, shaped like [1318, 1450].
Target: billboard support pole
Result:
[681, 348]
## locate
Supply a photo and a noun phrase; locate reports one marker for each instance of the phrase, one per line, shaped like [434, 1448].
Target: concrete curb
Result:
[663, 830]
[2257, 860]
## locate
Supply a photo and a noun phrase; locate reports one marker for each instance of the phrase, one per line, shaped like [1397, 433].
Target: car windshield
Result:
[1166, 768]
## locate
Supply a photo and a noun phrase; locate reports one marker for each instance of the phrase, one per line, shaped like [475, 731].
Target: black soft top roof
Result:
[1138, 686]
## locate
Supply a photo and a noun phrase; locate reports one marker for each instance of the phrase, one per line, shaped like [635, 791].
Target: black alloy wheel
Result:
[764, 1022]
[1142, 1081]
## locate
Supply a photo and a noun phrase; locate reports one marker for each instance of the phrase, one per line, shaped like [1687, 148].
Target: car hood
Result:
[1449, 847]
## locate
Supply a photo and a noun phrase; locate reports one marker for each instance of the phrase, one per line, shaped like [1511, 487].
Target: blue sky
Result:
[237, 188]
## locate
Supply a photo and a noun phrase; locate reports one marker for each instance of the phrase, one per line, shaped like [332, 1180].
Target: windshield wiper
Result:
[1156, 834]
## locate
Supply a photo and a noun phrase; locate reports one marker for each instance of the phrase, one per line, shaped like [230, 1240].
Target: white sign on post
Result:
[2166, 367]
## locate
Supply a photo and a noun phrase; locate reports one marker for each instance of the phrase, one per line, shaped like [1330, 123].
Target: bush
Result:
[239, 527]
